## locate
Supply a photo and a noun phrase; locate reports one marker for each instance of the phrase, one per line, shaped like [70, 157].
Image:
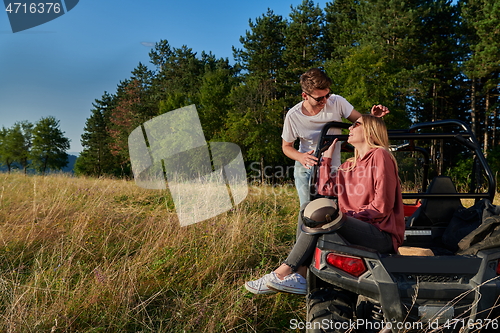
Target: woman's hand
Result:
[329, 152]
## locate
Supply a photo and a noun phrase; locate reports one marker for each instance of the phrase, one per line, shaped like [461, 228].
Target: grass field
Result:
[103, 255]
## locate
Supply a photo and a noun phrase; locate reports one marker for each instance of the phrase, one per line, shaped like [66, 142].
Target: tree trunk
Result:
[434, 101]
[473, 106]
[486, 124]
[494, 129]
[45, 161]
[262, 170]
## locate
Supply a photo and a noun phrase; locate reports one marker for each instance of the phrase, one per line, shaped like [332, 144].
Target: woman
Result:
[369, 197]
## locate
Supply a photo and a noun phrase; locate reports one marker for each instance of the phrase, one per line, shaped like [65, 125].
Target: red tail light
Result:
[352, 265]
[317, 258]
[498, 267]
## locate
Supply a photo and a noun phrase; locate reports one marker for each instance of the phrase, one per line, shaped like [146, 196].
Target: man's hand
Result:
[379, 110]
[308, 160]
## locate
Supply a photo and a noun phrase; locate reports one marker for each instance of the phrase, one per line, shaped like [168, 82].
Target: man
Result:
[306, 120]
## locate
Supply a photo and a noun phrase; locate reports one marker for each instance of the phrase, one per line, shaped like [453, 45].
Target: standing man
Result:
[306, 120]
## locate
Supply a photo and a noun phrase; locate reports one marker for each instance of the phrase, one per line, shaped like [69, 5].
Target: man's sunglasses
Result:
[319, 99]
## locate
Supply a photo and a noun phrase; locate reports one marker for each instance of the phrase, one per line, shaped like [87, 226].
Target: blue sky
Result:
[59, 68]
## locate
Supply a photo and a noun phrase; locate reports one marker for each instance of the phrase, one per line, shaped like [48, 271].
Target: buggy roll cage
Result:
[463, 135]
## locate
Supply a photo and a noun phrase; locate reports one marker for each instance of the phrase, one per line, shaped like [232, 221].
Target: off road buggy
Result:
[450, 282]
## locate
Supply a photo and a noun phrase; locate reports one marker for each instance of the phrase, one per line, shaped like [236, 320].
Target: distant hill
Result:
[71, 163]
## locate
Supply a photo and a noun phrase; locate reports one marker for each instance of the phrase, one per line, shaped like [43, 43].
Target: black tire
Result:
[329, 310]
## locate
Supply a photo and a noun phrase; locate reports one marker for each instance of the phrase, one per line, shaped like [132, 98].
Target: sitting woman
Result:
[369, 197]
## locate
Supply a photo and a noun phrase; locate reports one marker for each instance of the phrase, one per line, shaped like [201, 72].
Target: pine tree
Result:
[481, 21]
[436, 76]
[132, 107]
[364, 77]
[256, 119]
[160, 54]
[304, 48]
[96, 158]
[256, 128]
[214, 98]
[262, 53]
[341, 31]
[404, 55]
[177, 82]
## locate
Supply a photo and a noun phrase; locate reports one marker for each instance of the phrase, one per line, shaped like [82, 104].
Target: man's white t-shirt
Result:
[308, 128]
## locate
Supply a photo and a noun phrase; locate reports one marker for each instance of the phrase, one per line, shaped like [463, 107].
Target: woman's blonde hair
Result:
[375, 134]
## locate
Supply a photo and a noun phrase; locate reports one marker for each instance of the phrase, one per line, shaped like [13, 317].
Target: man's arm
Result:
[377, 111]
[354, 116]
[306, 159]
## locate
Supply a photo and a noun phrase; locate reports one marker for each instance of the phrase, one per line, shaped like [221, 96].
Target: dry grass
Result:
[103, 255]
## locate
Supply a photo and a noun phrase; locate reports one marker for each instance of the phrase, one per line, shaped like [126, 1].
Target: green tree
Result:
[304, 47]
[481, 19]
[256, 118]
[214, 99]
[263, 46]
[341, 29]
[15, 145]
[255, 124]
[178, 76]
[132, 106]
[417, 41]
[391, 28]
[96, 158]
[6, 157]
[49, 146]
[142, 80]
[160, 54]
[22, 137]
[402, 54]
[434, 78]
[365, 78]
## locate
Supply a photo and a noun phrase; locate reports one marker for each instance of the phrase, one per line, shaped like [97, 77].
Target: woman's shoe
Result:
[292, 283]
[259, 286]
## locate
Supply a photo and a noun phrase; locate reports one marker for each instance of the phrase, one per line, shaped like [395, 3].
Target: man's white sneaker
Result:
[259, 286]
[292, 283]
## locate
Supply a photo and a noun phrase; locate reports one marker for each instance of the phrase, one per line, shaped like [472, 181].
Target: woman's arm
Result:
[385, 182]
[326, 182]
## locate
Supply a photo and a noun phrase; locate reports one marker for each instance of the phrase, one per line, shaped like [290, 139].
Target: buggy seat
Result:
[436, 212]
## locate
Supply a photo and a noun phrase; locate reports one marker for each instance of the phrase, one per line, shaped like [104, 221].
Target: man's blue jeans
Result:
[302, 176]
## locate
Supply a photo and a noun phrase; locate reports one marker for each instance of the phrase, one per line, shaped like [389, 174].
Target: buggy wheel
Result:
[329, 310]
